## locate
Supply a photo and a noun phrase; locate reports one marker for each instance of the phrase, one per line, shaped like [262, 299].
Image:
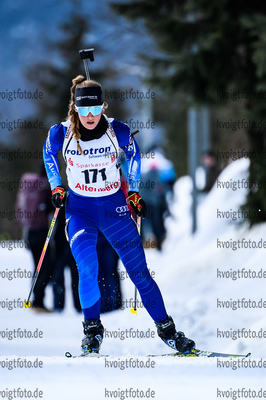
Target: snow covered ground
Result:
[199, 289]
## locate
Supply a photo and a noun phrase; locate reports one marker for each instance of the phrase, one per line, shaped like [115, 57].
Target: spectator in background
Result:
[157, 180]
[33, 207]
[207, 172]
[62, 258]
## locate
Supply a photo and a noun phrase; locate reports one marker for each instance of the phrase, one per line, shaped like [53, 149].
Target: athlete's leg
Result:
[122, 233]
[82, 233]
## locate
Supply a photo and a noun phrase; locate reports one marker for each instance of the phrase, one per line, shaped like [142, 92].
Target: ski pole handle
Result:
[27, 303]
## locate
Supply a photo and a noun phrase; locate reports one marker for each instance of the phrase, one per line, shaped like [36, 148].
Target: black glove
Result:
[137, 203]
[58, 197]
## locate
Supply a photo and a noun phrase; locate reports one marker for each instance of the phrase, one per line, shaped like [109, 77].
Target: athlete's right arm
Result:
[52, 145]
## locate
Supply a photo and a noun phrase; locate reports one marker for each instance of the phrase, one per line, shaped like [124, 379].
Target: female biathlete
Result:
[90, 144]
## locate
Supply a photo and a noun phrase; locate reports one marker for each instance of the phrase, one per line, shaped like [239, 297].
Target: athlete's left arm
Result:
[127, 142]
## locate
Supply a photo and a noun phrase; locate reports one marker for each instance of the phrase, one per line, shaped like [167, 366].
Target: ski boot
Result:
[176, 340]
[93, 331]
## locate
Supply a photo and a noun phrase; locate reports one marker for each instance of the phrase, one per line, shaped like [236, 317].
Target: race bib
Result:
[95, 173]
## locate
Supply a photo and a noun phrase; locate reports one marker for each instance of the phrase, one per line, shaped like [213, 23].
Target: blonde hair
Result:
[78, 82]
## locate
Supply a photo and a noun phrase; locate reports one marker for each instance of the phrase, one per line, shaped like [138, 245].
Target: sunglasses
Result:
[84, 111]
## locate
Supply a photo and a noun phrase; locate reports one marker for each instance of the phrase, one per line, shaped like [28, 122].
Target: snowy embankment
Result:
[195, 277]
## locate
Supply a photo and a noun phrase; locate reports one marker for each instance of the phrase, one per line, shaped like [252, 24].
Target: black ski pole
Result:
[133, 310]
[27, 303]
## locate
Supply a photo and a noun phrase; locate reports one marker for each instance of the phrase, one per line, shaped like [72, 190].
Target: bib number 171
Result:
[91, 175]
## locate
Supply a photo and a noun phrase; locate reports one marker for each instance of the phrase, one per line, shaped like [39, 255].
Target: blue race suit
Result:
[95, 202]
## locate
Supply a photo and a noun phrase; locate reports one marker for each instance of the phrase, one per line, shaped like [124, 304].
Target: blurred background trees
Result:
[210, 48]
